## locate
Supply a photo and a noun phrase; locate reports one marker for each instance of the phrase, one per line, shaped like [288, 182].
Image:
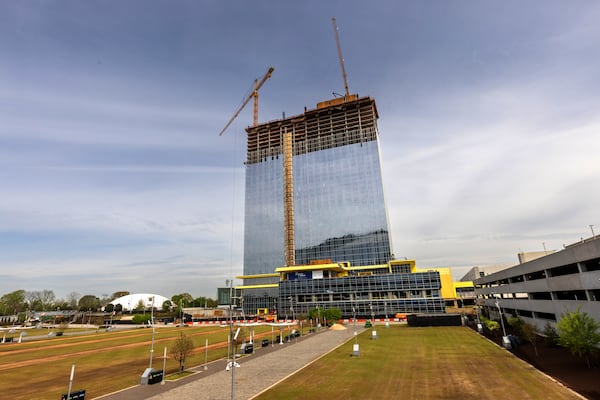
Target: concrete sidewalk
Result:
[257, 372]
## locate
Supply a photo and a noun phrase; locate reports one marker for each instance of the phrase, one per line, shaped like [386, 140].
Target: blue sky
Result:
[113, 176]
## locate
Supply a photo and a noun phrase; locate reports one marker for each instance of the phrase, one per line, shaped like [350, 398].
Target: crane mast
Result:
[288, 198]
[347, 96]
[341, 57]
[254, 95]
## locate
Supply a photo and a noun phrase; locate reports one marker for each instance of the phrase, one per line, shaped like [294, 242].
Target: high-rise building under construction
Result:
[316, 225]
[316, 228]
[339, 206]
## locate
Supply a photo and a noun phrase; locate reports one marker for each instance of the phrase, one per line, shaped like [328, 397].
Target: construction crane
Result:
[341, 57]
[347, 96]
[254, 94]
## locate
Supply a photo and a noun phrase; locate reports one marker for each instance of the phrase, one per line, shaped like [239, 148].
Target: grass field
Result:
[419, 363]
[104, 361]
[403, 363]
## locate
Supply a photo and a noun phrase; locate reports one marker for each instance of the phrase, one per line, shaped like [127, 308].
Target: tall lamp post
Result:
[356, 346]
[387, 321]
[152, 322]
[292, 308]
[505, 339]
[232, 338]
[318, 317]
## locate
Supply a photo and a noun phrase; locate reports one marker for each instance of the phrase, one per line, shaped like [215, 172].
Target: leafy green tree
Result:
[141, 318]
[183, 299]
[578, 332]
[550, 334]
[332, 314]
[167, 305]
[492, 325]
[109, 307]
[204, 302]
[13, 302]
[61, 304]
[121, 293]
[89, 302]
[36, 305]
[182, 347]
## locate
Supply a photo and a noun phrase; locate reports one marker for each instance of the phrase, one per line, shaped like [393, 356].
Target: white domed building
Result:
[132, 301]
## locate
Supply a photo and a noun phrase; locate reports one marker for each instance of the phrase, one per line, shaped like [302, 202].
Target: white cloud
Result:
[112, 170]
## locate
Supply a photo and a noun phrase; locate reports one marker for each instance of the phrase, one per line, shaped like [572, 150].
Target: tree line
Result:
[20, 301]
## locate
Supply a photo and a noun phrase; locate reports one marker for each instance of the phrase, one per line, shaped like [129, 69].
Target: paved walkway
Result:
[257, 372]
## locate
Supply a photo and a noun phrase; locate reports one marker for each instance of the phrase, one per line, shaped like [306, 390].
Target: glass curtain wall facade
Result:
[339, 206]
[340, 210]
[378, 296]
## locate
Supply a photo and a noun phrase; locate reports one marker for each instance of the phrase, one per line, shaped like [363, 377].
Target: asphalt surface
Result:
[257, 372]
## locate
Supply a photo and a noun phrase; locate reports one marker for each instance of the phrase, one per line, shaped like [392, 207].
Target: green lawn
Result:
[419, 363]
[104, 361]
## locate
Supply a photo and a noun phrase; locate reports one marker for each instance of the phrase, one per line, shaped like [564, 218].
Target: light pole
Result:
[387, 321]
[292, 308]
[505, 340]
[478, 310]
[356, 346]
[180, 312]
[162, 382]
[71, 381]
[354, 318]
[231, 338]
[318, 318]
[152, 322]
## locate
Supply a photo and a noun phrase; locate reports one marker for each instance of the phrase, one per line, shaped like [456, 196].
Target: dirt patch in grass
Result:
[563, 366]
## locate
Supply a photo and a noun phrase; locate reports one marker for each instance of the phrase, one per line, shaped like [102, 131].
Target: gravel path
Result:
[257, 372]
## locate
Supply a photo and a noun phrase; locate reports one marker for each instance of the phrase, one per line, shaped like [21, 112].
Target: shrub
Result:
[550, 335]
[141, 319]
[492, 325]
[579, 333]
[517, 325]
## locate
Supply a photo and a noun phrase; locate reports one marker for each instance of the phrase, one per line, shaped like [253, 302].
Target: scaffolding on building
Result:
[337, 123]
